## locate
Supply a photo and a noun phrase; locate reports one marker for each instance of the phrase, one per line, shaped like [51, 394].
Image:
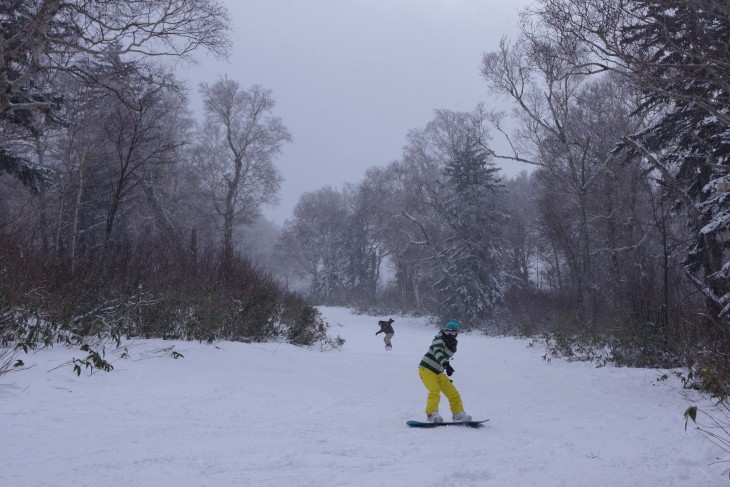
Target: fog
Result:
[352, 77]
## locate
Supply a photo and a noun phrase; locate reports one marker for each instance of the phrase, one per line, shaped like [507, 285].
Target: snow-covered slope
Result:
[234, 414]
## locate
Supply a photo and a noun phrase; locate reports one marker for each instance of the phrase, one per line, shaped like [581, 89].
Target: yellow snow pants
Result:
[436, 384]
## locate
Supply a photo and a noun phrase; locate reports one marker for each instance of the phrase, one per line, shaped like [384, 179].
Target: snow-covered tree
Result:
[44, 38]
[676, 53]
[473, 282]
[450, 222]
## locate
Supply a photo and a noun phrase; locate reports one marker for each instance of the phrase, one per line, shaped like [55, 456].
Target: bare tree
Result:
[240, 141]
[44, 36]
[557, 109]
[520, 236]
[676, 53]
[73, 148]
[373, 215]
[315, 241]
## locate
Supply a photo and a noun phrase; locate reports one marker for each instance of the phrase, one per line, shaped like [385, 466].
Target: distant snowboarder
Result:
[431, 369]
[387, 328]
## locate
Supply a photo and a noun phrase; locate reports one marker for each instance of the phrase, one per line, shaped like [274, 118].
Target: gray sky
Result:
[352, 77]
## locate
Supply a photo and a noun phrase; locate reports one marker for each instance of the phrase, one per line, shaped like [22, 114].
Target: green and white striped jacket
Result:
[437, 354]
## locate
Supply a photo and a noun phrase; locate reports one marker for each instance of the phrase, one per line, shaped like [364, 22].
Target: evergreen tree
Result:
[29, 104]
[686, 80]
[474, 279]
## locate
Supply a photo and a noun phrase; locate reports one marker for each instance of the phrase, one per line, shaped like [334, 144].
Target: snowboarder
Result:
[431, 369]
[387, 328]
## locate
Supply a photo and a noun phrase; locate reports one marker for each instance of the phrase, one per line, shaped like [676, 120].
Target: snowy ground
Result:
[232, 414]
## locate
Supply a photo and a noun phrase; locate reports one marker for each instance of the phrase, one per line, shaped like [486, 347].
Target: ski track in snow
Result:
[234, 414]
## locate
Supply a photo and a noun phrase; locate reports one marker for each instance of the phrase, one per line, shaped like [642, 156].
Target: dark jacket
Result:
[386, 327]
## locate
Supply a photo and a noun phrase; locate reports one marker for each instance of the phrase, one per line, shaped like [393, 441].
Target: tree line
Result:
[120, 212]
[612, 247]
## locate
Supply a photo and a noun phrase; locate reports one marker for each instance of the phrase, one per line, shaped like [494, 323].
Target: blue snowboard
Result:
[428, 424]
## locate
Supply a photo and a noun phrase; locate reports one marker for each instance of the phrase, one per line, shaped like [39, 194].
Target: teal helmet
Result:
[452, 325]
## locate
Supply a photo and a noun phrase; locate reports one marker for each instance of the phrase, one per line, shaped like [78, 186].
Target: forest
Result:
[121, 214]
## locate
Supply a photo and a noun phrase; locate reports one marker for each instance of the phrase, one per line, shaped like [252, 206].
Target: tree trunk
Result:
[229, 216]
[61, 206]
[416, 293]
[586, 290]
[193, 267]
[75, 216]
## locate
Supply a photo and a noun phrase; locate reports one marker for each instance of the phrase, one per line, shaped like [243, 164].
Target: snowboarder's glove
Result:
[377, 332]
[448, 368]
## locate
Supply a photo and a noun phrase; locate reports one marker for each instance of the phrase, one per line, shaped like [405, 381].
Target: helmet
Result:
[452, 325]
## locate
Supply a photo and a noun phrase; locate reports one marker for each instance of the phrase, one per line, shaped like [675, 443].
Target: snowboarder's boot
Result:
[435, 417]
[462, 416]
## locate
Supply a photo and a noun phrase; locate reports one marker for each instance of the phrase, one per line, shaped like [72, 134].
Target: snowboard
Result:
[428, 424]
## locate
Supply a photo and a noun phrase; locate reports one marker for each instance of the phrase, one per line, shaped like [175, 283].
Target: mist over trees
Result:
[120, 214]
[613, 246]
[433, 217]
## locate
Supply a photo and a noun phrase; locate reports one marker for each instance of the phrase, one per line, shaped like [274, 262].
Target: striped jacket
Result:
[437, 354]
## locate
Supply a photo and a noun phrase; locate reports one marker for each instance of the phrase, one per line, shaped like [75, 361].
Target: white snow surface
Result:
[272, 414]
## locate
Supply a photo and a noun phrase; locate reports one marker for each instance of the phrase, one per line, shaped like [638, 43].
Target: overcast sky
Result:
[352, 77]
